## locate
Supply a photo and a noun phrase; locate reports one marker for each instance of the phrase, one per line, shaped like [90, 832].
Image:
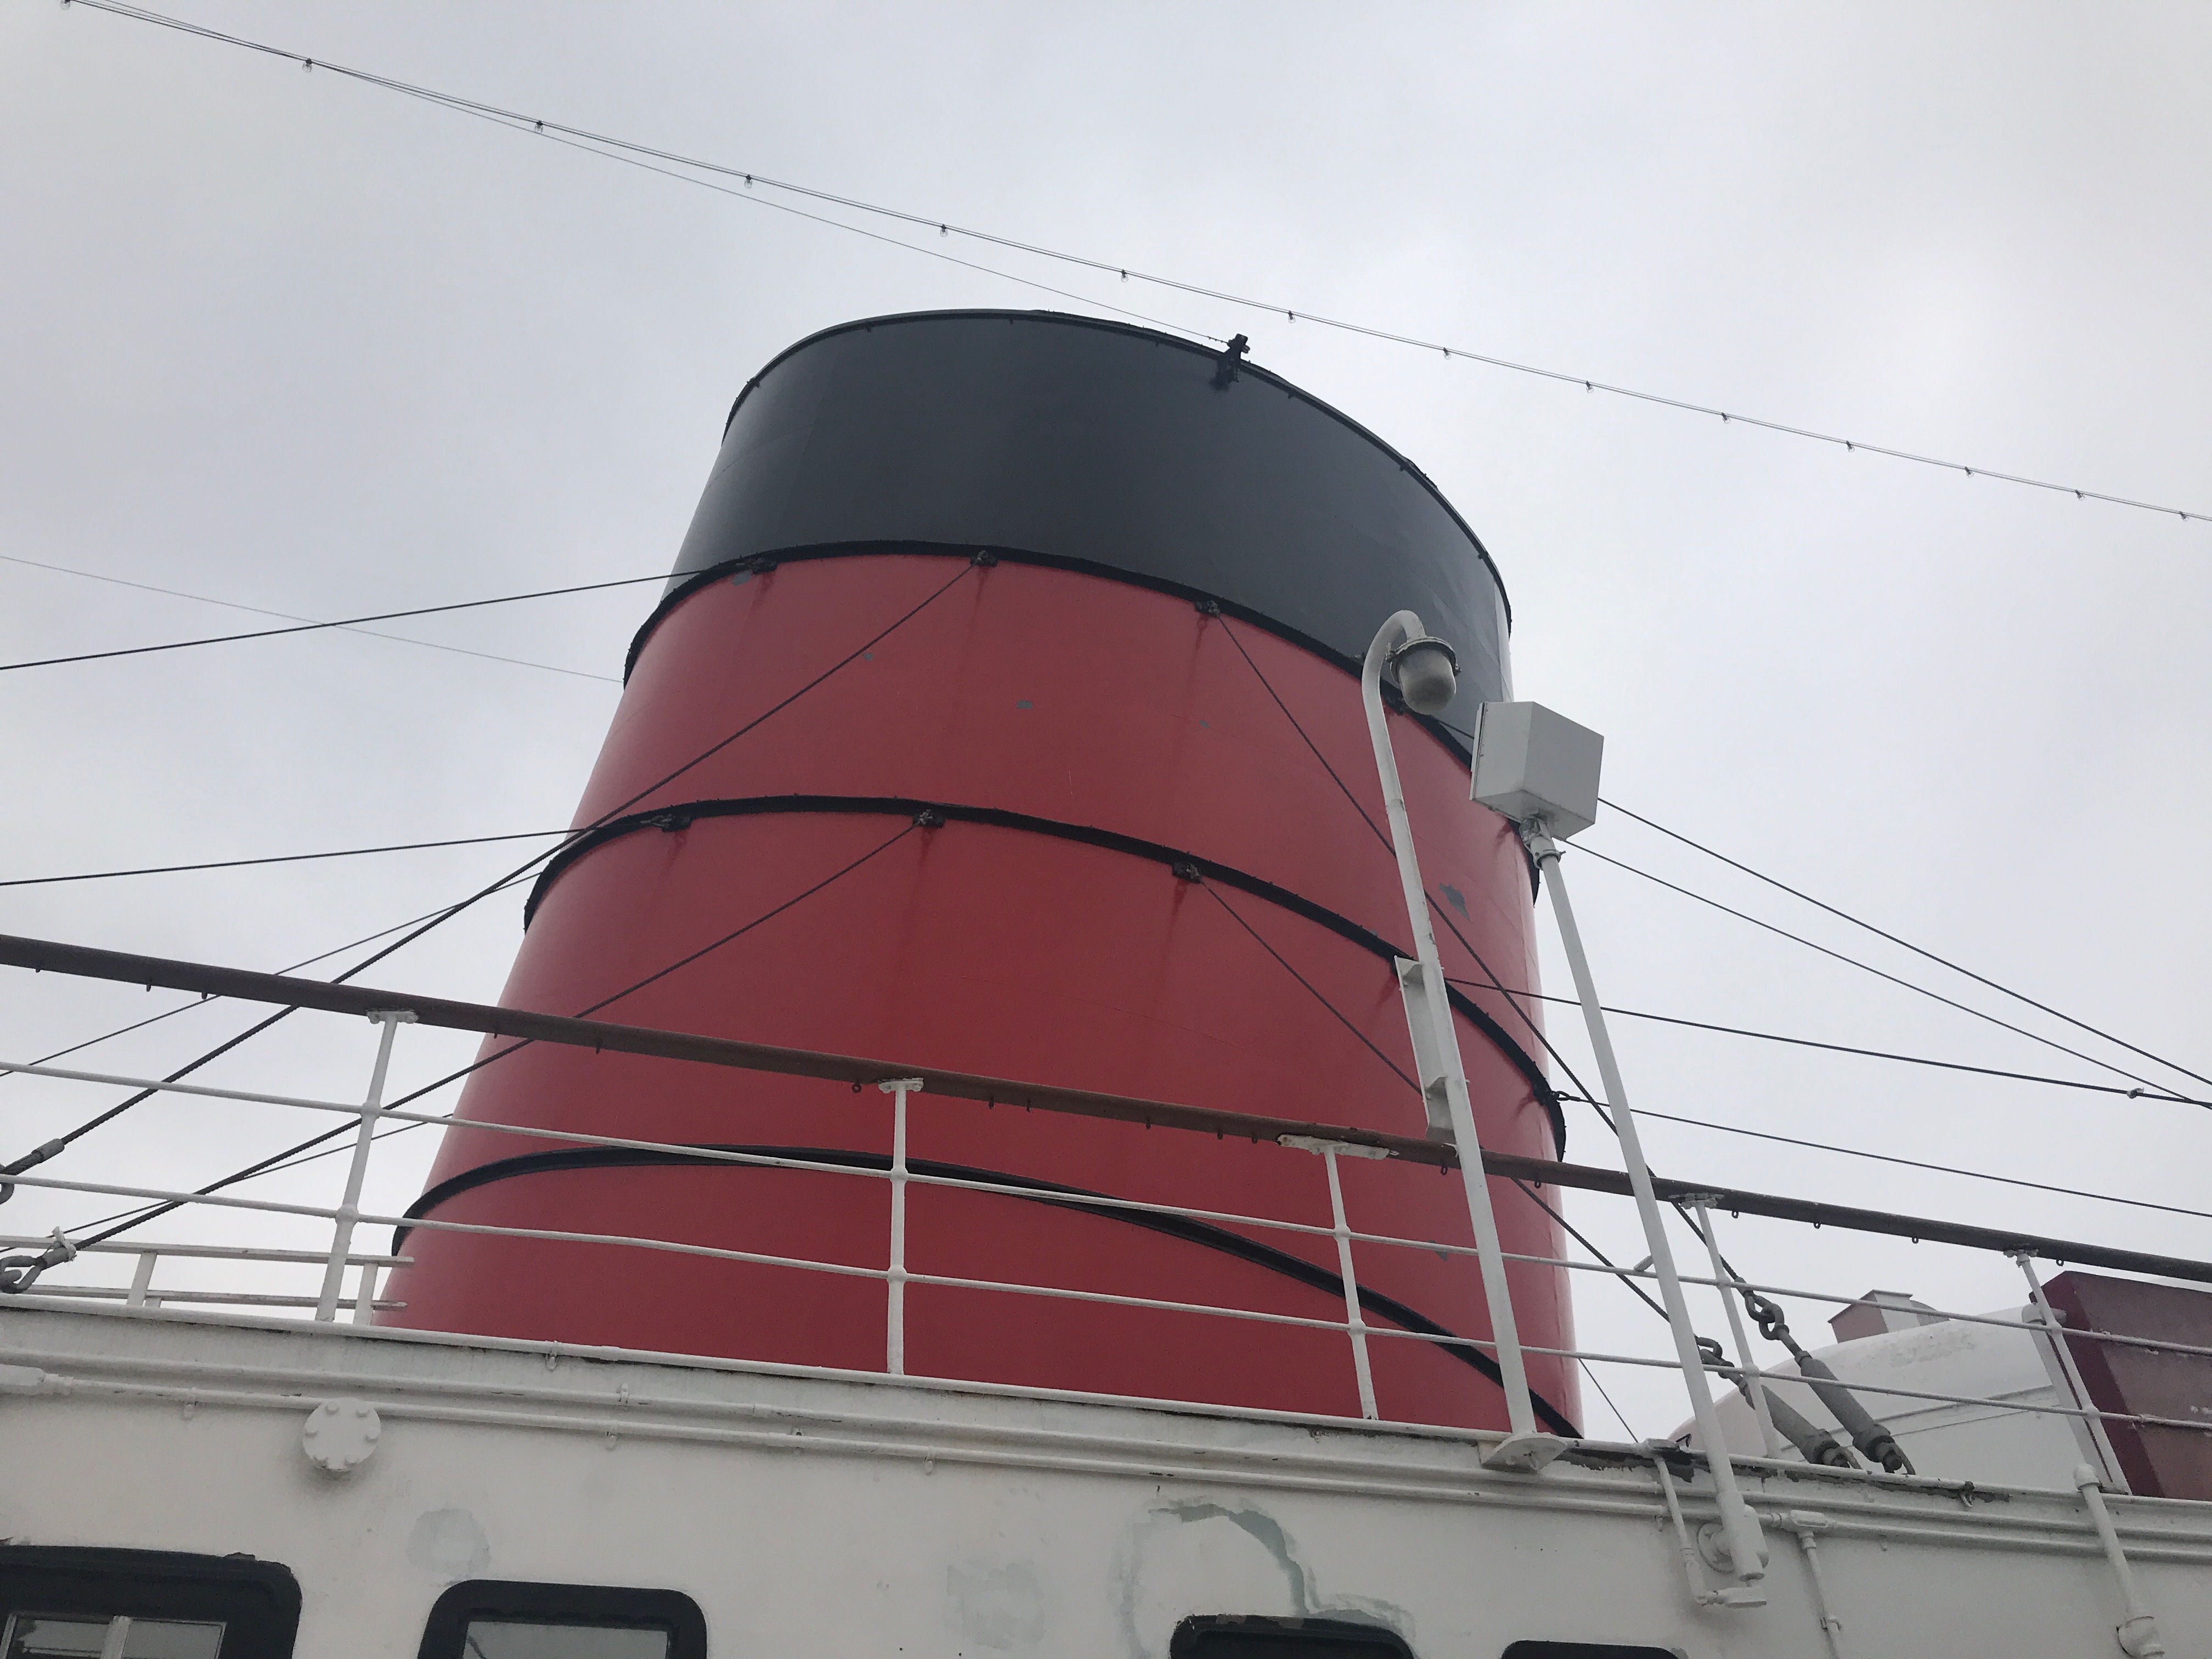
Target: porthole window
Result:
[489, 1618]
[1237, 1637]
[57, 1603]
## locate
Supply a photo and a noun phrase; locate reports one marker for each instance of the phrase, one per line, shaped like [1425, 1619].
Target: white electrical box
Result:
[1530, 763]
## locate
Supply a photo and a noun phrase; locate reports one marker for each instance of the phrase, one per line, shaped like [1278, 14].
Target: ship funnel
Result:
[1002, 714]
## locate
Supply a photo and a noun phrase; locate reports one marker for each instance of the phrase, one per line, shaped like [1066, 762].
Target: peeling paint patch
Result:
[450, 1544]
[1177, 1559]
[1000, 1606]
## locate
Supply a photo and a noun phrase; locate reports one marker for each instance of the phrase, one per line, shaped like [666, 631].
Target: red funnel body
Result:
[1086, 740]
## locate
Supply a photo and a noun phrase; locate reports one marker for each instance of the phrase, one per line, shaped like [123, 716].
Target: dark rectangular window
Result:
[1585, 1650]
[492, 1619]
[1220, 1637]
[60, 1603]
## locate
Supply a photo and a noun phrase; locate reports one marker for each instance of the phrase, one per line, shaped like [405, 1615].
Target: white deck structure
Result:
[825, 1513]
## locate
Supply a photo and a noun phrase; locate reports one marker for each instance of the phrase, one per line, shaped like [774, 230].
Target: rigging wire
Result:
[303, 1153]
[516, 125]
[284, 858]
[1919, 1164]
[1343, 788]
[1846, 1048]
[1575, 1232]
[1581, 1238]
[1365, 1041]
[1855, 921]
[1376, 829]
[682, 962]
[1606, 1394]
[202, 1001]
[347, 623]
[631, 151]
[40, 1154]
[1466, 984]
[1510, 995]
[2151, 1090]
[1866, 967]
[268, 1164]
[1583, 1095]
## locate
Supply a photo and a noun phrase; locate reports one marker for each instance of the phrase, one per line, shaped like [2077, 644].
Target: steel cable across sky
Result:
[632, 150]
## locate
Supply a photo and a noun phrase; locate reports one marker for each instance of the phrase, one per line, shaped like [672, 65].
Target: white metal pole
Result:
[894, 1285]
[2054, 1333]
[326, 1308]
[1747, 1546]
[1512, 1368]
[1355, 1322]
[1754, 1381]
[1806, 1526]
[2138, 1634]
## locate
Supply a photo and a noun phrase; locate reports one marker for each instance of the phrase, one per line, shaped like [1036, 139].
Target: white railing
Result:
[142, 1293]
[346, 1215]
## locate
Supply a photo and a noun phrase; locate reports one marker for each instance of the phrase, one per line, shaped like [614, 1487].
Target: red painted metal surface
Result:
[1068, 698]
[2158, 1462]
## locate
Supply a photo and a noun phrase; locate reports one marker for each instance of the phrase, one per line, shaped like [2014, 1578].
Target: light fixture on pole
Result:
[1427, 673]
[1540, 771]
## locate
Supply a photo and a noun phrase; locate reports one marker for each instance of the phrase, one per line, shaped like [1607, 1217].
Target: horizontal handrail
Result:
[82, 960]
[880, 1274]
[170, 1086]
[45, 955]
[224, 1298]
[766, 1160]
[1109, 1298]
[211, 1252]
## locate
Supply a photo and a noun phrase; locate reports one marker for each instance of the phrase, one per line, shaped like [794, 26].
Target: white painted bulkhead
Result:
[833, 1514]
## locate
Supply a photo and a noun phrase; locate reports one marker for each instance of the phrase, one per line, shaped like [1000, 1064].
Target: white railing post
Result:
[1754, 1380]
[364, 1300]
[1355, 1322]
[141, 1279]
[1747, 1545]
[895, 1283]
[2055, 1333]
[389, 1021]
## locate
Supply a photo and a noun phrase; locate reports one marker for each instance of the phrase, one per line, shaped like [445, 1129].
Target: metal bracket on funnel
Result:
[1427, 1062]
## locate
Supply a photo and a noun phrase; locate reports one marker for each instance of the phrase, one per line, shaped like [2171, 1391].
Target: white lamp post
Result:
[1427, 675]
[1540, 771]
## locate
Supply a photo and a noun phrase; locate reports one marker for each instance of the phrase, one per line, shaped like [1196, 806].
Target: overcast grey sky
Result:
[286, 340]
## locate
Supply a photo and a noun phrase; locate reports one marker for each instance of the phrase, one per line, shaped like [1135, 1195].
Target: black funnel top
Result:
[1099, 445]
